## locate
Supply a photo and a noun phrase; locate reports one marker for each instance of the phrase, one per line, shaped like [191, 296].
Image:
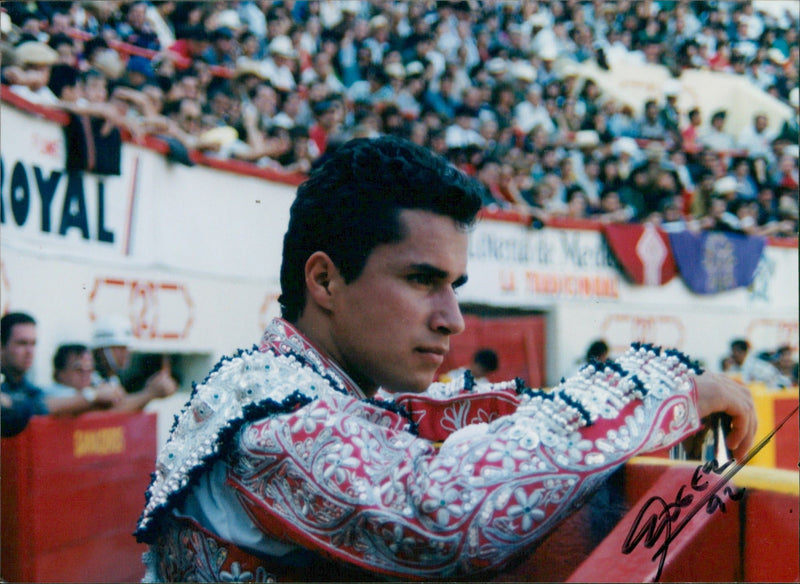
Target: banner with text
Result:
[514, 265]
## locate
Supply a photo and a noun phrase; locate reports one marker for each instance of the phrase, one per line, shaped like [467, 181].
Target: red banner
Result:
[643, 251]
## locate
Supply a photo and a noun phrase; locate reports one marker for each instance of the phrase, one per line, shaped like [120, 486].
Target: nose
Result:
[446, 317]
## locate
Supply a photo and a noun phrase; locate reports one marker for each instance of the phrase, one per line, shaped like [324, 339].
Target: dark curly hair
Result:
[351, 204]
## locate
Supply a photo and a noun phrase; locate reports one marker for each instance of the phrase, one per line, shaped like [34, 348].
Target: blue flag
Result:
[714, 261]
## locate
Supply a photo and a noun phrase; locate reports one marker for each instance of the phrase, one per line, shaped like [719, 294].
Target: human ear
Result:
[319, 273]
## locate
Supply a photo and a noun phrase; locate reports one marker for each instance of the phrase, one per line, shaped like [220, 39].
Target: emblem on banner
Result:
[643, 251]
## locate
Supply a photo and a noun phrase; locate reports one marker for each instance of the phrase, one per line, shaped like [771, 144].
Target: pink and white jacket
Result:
[279, 469]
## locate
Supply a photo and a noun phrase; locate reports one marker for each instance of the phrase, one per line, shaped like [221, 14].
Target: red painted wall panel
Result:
[787, 441]
[706, 550]
[520, 342]
[72, 490]
[771, 537]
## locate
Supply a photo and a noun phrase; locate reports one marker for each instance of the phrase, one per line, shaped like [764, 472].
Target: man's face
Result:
[17, 353]
[78, 371]
[785, 359]
[391, 326]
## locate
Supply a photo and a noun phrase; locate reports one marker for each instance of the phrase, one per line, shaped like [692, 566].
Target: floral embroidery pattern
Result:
[185, 554]
[408, 510]
[344, 477]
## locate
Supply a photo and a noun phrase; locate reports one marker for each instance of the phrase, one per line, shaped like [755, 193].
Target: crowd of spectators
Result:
[490, 85]
[86, 378]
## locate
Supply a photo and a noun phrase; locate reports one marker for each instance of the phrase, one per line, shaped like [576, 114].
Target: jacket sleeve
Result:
[330, 480]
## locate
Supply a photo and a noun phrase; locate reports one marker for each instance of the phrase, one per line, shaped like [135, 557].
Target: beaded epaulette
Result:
[243, 388]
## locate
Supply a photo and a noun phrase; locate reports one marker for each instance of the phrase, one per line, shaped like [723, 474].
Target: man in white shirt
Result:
[30, 78]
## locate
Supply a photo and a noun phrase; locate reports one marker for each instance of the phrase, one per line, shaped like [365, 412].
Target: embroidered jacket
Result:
[448, 483]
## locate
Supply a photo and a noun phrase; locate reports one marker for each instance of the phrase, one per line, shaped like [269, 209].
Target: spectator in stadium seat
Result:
[299, 157]
[191, 44]
[611, 208]
[670, 216]
[577, 203]
[690, 133]
[650, 126]
[65, 82]
[716, 137]
[756, 138]
[374, 88]
[598, 351]
[653, 181]
[30, 75]
[138, 72]
[281, 64]
[621, 122]
[322, 71]
[64, 45]
[462, 131]
[746, 184]
[328, 117]
[787, 171]
[222, 48]
[136, 29]
[532, 112]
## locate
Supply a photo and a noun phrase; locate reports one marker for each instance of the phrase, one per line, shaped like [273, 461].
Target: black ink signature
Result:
[657, 516]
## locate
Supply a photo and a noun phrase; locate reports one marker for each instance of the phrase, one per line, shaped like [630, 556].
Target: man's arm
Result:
[102, 397]
[160, 384]
[329, 480]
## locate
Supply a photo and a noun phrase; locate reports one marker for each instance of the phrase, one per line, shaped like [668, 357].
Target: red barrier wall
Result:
[72, 491]
[771, 537]
[520, 342]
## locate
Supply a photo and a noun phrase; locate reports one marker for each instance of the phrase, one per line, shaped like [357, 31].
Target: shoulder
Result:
[247, 387]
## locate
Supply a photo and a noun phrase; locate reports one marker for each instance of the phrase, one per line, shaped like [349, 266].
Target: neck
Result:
[319, 335]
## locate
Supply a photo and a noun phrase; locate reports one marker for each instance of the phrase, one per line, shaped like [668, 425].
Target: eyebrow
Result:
[438, 273]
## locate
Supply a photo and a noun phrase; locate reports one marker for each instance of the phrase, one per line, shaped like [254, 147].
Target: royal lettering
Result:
[73, 215]
[20, 194]
[47, 190]
[61, 203]
[103, 234]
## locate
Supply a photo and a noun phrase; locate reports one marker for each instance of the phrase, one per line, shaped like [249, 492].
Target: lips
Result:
[435, 354]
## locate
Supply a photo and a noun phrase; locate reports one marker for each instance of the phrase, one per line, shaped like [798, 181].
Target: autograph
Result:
[657, 516]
